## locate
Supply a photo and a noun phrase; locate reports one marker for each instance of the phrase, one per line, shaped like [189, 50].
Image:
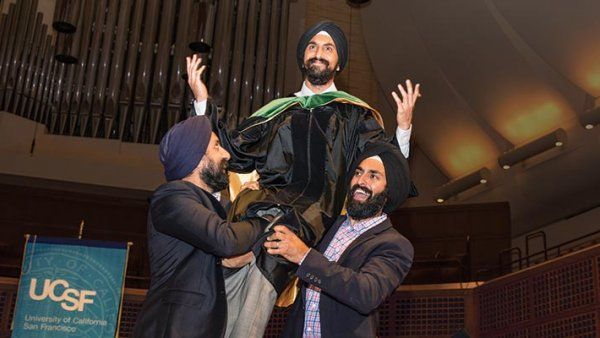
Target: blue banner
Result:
[70, 288]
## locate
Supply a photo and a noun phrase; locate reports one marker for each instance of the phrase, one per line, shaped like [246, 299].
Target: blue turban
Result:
[183, 146]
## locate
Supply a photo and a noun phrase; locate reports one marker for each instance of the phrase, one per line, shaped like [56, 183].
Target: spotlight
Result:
[199, 47]
[590, 118]
[556, 138]
[357, 3]
[67, 59]
[64, 27]
[462, 184]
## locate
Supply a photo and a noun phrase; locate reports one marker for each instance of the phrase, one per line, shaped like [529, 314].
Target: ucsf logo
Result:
[70, 299]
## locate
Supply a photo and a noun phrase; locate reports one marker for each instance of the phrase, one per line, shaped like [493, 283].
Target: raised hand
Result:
[194, 71]
[406, 104]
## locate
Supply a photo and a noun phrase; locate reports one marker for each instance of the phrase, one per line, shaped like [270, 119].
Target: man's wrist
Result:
[403, 135]
[304, 256]
[403, 139]
[200, 107]
[405, 127]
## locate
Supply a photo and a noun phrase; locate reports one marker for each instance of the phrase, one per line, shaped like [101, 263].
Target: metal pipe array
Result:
[126, 76]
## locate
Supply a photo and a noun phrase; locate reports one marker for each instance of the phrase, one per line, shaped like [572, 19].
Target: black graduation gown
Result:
[302, 157]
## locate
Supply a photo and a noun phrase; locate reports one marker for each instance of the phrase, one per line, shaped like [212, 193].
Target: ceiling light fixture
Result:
[358, 3]
[556, 138]
[590, 118]
[455, 187]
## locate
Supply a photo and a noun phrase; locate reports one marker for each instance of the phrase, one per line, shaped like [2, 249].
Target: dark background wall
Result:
[455, 242]
[452, 243]
[54, 208]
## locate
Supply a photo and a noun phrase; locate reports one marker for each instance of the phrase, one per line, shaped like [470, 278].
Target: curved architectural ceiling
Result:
[497, 75]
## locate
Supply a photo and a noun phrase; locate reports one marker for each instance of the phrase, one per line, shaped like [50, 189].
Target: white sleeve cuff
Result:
[403, 137]
[200, 107]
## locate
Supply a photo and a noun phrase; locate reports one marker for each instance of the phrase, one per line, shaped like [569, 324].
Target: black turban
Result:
[397, 174]
[341, 44]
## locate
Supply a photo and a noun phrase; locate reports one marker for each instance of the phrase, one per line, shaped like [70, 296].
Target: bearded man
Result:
[302, 148]
[188, 236]
[360, 261]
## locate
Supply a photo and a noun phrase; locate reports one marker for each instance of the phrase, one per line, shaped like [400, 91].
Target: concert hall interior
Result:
[504, 145]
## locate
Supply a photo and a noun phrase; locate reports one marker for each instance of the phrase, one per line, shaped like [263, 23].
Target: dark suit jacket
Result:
[187, 235]
[352, 288]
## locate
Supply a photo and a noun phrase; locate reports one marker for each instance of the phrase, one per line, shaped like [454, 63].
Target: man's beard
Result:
[215, 176]
[314, 75]
[369, 208]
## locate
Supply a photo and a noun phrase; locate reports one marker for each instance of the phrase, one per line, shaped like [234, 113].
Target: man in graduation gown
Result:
[301, 147]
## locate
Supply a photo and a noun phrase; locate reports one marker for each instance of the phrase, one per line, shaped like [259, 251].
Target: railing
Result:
[546, 253]
[531, 236]
[509, 253]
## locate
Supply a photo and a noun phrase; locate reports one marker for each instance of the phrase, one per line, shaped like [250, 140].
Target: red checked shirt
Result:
[345, 235]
